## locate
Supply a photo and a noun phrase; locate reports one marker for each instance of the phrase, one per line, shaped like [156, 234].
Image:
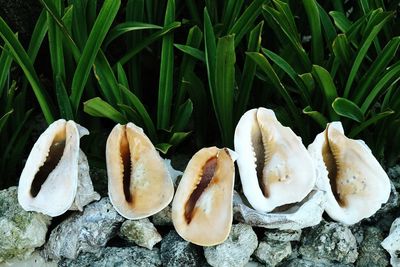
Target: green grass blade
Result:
[317, 45]
[63, 99]
[249, 71]
[362, 53]
[122, 78]
[97, 107]
[390, 77]
[5, 68]
[23, 60]
[127, 27]
[358, 129]
[327, 25]
[92, 46]
[379, 64]
[210, 50]
[147, 41]
[231, 11]
[224, 85]
[287, 68]
[316, 116]
[165, 84]
[194, 40]
[342, 50]
[135, 102]
[341, 21]
[183, 116]
[266, 67]
[38, 34]
[55, 43]
[79, 26]
[4, 118]
[194, 52]
[245, 22]
[348, 109]
[327, 87]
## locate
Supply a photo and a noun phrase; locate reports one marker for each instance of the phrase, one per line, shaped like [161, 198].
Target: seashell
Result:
[54, 169]
[202, 207]
[139, 184]
[355, 182]
[275, 167]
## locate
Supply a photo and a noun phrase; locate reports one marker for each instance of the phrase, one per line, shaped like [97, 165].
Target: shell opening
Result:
[205, 178]
[55, 153]
[260, 156]
[125, 154]
[331, 164]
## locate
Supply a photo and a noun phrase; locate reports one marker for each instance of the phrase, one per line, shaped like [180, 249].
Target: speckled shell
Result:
[202, 207]
[148, 187]
[275, 167]
[356, 183]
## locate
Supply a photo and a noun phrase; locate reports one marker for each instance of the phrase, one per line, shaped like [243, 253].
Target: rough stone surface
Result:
[236, 250]
[307, 213]
[85, 192]
[371, 254]
[310, 263]
[141, 232]
[273, 252]
[282, 236]
[329, 241]
[394, 175]
[392, 243]
[176, 252]
[112, 256]
[163, 218]
[84, 232]
[33, 260]
[253, 264]
[20, 231]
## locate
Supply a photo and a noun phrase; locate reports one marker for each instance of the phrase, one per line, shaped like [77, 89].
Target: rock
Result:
[273, 252]
[305, 214]
[20, 231]
[177, 252]
[371, 254]
[329, 241]
[84, 232]
[392, 243]
[282, 235]
[236, 250]
[394, 175]
[112, 256]
[163, 218]
[85, 193]
[33, 260]
[141, 232]
[253, 264]
[308, 263]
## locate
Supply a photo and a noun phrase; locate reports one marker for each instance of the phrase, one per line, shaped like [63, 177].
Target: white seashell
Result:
[50, 178]
[355, 182]
[202, 207]
[275, 167]
[139, 184]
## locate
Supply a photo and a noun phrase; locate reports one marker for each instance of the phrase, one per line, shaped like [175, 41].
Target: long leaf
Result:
[23, 60]
[210, 50]
[194, 52]
[96, 37]
[356, 130]
[348, 109]
[317, 47]
[316, 116]
[183, 116]
[99, 108]
[5, 69]
[63, 100]
[165, 84]
[128, 27]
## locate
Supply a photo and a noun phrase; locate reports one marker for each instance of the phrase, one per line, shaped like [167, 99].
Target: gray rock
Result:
[273, 252]
[84, 232]
[329, 241]
[141, 232]
[111, 256]
[163, 218]
[394, 175]
[236, 250]
[253, 264]
[282, 235]
[33, 260]
[304, 214]
[20, 231]
[176, 252]
[371, 254]
[85, 193]
[392, 243]
[309, 263]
